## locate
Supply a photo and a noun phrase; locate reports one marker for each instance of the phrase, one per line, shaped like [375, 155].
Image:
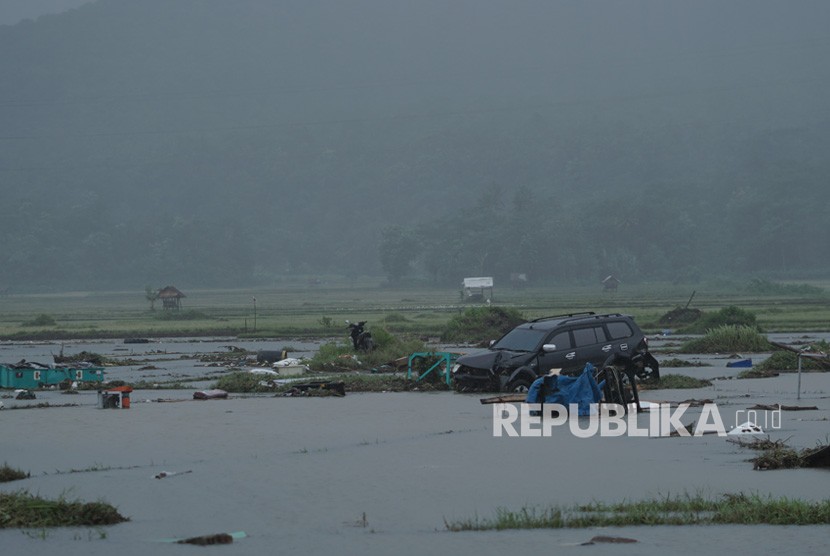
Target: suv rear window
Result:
[588, 336]
[618, 330]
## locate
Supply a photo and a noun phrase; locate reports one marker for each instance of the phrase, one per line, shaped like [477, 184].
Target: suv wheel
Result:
[518, 386]
[614, 392]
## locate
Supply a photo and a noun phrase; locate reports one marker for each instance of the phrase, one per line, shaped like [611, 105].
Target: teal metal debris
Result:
[445, 358]
[41, 377]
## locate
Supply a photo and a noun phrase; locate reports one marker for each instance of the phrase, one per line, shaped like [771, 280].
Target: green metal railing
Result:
[444, 358]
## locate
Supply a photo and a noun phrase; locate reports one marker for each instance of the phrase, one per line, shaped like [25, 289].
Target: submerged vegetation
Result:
[671, 510]
[778, 457]
[787, 361]
[8, 474]
[776, 454]
[755, 372]
[671, 381]
[21, 509]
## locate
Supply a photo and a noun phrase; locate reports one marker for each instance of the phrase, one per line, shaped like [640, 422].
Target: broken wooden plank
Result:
[784, 347]
[509, 398]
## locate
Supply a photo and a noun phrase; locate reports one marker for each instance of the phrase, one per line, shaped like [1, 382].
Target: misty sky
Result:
[12, 11]
[142, 138]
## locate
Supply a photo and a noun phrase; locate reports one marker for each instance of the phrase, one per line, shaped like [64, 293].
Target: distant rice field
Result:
[304, 310]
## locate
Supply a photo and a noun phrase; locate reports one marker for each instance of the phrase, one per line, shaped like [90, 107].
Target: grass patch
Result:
[732, 315]
[758, 286]
[21, 509]
[675, 362]
[41, 320]
[787, 361]
[242, 382]
[8, 474]
[180, 315]
[738, 509]
[386, 383]
[478, 324]
[681, 317]
[341, 356]
[728, 339]
[395, 318]
[757, 373]
[674, 382]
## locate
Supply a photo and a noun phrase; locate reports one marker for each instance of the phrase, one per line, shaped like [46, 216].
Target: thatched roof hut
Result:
[171, 297]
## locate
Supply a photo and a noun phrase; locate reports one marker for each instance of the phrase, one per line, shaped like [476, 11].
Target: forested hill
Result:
[216, 143]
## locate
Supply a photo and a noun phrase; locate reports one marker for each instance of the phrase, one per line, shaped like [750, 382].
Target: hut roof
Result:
[170, 291]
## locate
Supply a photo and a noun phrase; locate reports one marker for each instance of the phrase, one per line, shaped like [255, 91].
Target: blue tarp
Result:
[582, 390]
[741, 363]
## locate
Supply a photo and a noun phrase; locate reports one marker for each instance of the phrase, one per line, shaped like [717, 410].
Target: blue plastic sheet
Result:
[582, 390]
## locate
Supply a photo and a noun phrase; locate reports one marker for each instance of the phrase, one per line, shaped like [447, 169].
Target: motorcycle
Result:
[361, 338]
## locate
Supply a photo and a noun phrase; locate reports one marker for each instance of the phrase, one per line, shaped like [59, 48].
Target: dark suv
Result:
[564, 342]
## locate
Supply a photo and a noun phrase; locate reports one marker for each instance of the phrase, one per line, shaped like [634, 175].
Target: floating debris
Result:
[215, 394]
[614, 540]
[206, 540]
[816, 457]
[165, 474]
[784, 407]
[748, 428]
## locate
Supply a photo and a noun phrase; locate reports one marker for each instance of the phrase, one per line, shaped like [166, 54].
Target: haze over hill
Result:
[207, 142]
[13, 11]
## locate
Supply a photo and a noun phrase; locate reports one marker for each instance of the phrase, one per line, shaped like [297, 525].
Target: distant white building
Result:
[480, 287]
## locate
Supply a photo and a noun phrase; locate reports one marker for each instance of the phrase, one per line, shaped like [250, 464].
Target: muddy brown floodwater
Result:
[379, 473]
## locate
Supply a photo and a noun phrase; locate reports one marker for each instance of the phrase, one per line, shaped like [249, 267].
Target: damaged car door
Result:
[558, 353]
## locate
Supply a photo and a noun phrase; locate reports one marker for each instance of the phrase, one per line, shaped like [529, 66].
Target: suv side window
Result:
[588, 336]
[618, 330]
[562, 340]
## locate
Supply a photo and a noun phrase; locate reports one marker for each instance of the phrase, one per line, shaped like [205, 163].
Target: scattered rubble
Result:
[316, 388]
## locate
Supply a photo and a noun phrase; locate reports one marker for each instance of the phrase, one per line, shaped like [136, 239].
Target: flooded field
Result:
[379, 473]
